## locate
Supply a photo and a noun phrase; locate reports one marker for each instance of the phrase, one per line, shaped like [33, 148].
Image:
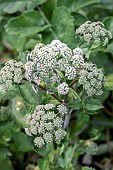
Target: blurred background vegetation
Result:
[23, 24]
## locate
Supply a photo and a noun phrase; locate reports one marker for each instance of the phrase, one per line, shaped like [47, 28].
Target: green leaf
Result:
[107, 4]
[110, 48]
[75, 5]
[45, 150]
[63, 26]
[6, 126]
[38, 2]
[75, 104]
[48, 8]
[109, 82]
[83, 117]
[11, 6]
[87, 168]
[69, 156]
[78, 18]
[30, 44]
[29, 95]
[61, 161]
[91, 112]
[29, 23]
[93, 104]
[22, 141]
[43, 164]
[22, 56]
[4, 153]
[6, 165]
[13, 42]
[108, 22]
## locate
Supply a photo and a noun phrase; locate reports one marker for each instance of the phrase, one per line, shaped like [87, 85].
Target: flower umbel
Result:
[93, 33]
[92, 79]
[9, 74]
[45, 124]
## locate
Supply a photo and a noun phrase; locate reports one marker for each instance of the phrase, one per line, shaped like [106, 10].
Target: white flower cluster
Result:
[46, 61]
[62, 109]
[92, 79]
[93, 33]
[46, 124]
[9, 74]
[63, 88]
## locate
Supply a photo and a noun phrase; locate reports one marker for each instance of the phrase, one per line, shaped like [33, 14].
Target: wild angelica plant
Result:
[65, 75]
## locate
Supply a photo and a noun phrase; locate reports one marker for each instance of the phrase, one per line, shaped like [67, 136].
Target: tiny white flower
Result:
[63, 88]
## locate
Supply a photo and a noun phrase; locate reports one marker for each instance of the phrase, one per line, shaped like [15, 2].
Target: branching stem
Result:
[73, 82]
[44, 89]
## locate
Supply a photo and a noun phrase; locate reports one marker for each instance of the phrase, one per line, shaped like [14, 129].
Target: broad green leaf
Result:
[93, 104]
[22, 141]
[6, 165]
[102, 60]
[63, 26]
[110, 48]
[83, 117]
[69, 156]
[43, 164]
[29, 23]
[61, 162]
[87, 168]
[38, 2]
[4, 153]
[18, 110]
[29, 95]
[22, 56]
[13, 42]
[108, 22]
[107, 4]
[48, 8]
[78, 18]
[109, 82]
[75, 5]
[91, 112]
[30, 44]
[11, 6]
[75, 104]
[45, 150]
[6, 126]
[34, 3]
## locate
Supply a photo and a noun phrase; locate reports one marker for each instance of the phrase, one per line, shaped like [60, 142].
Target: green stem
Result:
[73, 82]
[103, 148]
[44, 89]
[67, 116]
[47, 21]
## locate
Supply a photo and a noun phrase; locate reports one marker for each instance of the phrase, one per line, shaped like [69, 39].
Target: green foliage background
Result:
[23, 24]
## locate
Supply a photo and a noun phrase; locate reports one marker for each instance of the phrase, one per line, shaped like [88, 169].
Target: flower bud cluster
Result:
[45, 124]
[92, 79]
[9, 74]
[93, 33]
[62, 109]
[63, 88]
[46, 61]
